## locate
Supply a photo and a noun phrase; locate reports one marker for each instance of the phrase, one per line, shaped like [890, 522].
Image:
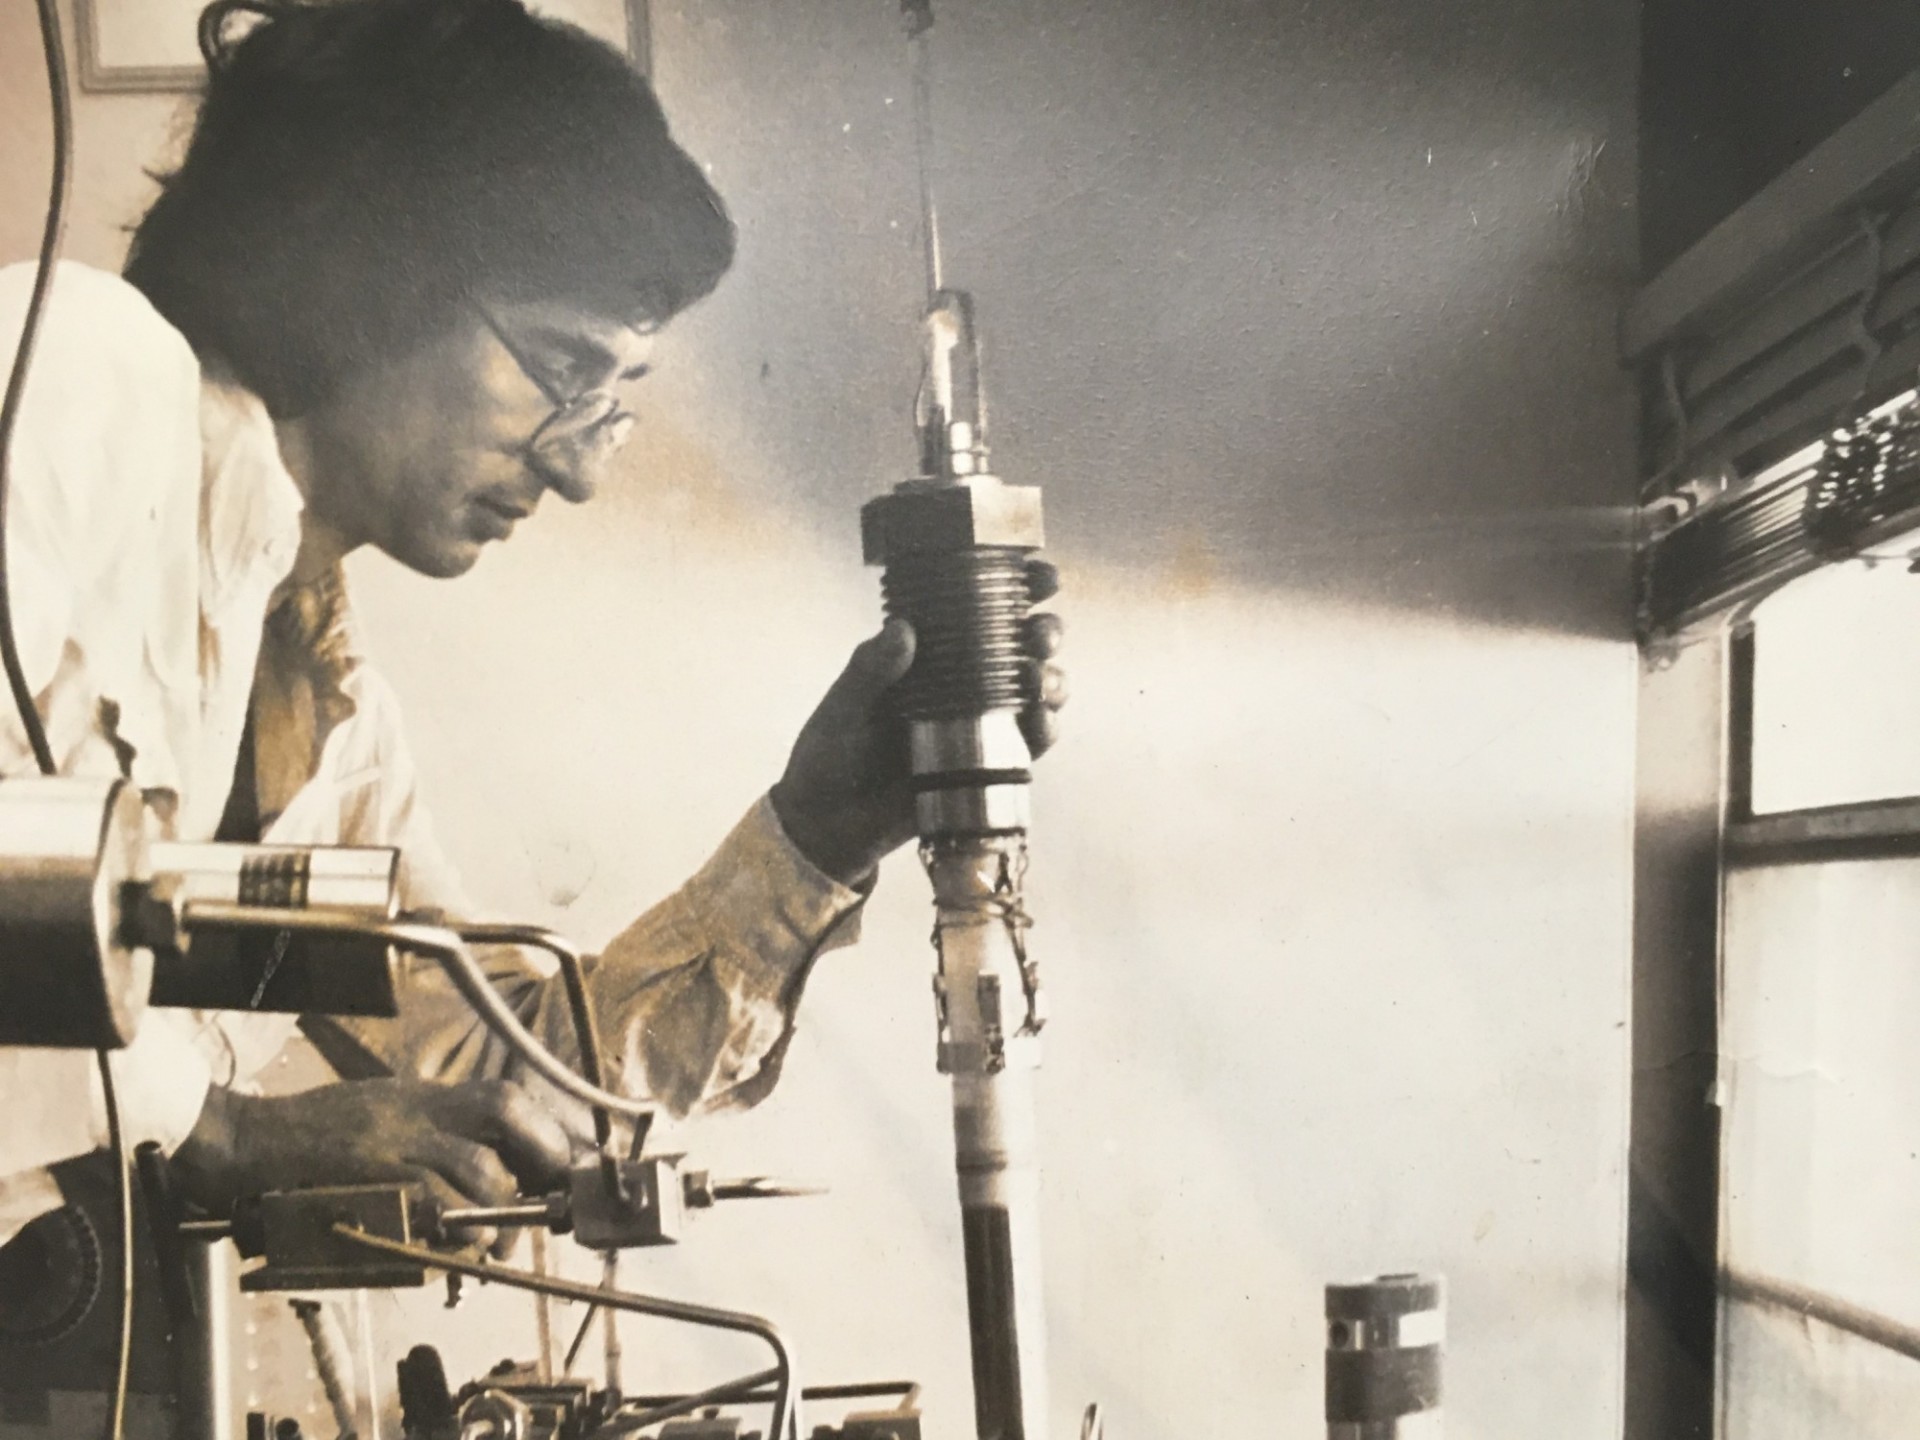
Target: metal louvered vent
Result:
[1859, 489]
[1834, 338]
[1791, 325]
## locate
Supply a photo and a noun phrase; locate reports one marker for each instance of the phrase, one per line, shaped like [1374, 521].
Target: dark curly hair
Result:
[361, 168]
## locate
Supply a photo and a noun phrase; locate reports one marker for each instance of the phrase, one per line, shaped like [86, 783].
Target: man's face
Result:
[432, 456]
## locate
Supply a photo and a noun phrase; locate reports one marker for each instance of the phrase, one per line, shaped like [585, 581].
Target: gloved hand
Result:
[846, 800]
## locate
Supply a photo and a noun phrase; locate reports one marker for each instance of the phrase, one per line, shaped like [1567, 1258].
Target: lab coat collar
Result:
[250, 505]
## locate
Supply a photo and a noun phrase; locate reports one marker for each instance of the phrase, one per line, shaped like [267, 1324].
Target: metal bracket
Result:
[297, 1230]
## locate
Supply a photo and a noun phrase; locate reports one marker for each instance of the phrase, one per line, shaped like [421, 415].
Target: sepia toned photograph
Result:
[154, 44]
[959, 719]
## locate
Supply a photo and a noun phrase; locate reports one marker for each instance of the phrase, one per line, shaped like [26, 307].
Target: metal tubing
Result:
[203, 1347]
[1830, 1310]
[474, 1217]
[920, 26]
[573, 975]
[907, 1390]
[733, 1391]
[543, 1309]
[786, 1405]
[444, 945]
[330, 1358]
[990, 1051]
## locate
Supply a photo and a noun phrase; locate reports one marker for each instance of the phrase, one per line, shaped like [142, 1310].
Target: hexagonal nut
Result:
[919, 517]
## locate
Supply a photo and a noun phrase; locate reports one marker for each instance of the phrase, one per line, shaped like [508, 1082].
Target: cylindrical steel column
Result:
[990, 1048]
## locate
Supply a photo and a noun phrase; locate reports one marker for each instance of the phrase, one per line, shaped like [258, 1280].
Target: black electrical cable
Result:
[54, 49]
[117, 1142]
[579, 1339]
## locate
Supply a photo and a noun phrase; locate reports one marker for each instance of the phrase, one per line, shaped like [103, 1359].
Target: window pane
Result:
[1787, 1379]
[1820, 1080]
[1836, 688]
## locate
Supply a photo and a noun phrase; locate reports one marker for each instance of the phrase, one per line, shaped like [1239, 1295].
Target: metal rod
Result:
[735, 1392]
[786, 1405]
[543, 1309]
[472, 1217]
[363, 1313]
[920, 35]
[579, 1339]
[328, 1344]
[862, 1390]
[1829, 1310]
[1869, 830]
[204, 1348]
[573, 975]
[762, 1187]
[609, 1280]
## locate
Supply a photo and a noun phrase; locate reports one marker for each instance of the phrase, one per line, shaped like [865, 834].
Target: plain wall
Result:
[1302, 315]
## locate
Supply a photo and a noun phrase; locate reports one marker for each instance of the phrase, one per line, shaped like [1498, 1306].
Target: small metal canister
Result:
[1385, 1339]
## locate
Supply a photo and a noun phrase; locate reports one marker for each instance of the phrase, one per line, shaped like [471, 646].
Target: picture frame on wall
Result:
[152, 45]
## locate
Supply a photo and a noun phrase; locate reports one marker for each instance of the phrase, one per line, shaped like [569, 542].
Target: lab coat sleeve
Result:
[695, 1001]
[108, 432]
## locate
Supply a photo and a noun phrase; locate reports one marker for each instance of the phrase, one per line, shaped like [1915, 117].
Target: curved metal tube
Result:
[733, 1391]
[573, 975]
[442, 944]
[786, 1400]
[1842, 1315]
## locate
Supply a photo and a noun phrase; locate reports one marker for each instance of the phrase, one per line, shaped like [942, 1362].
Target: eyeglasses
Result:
[582, 431]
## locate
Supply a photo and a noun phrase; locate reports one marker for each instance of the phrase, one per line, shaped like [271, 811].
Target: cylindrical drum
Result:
[1385, 1339]
[67, 846]
[256, 967]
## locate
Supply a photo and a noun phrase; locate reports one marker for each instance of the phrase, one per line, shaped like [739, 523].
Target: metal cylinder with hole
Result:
[1385, 1342]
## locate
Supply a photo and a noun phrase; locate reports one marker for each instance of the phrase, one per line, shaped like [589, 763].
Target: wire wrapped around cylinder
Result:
[967, 609]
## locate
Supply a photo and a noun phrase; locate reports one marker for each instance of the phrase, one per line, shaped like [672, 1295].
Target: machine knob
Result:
[50, 1277]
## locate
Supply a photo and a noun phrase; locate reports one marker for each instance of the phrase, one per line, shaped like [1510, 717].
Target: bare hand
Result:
[476, 1143]
[846, 799]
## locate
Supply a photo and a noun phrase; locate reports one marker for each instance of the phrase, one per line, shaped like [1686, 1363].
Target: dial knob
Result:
[49, 1277]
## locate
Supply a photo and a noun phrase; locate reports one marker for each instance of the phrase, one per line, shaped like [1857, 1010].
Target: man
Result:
[416, 256]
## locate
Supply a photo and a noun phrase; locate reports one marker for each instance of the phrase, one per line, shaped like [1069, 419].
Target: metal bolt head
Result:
[919, 517]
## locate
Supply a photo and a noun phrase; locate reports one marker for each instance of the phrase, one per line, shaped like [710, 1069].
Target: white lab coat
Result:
[150, 521]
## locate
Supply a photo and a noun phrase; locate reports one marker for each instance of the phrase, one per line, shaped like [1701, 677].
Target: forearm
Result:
[694, 1001]
[698, 997]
